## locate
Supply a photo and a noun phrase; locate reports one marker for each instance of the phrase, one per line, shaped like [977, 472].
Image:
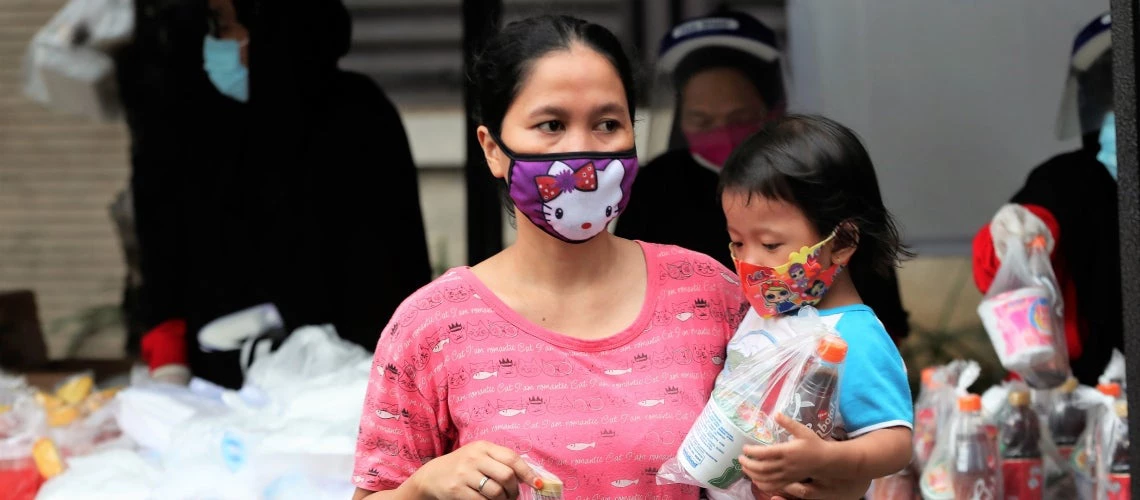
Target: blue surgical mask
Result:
[1107, 154]
[224, 67]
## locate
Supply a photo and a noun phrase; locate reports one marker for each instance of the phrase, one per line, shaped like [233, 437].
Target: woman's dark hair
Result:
[821, 167]
[502, 68]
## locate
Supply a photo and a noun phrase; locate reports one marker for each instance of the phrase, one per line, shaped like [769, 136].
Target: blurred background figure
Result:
[295, 187]
[1072, 198]
[722, 76]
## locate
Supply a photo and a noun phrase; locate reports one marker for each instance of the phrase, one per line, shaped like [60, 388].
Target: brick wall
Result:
[58, 175]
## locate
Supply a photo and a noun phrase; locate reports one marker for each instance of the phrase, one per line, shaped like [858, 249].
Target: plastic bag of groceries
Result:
[1100, 456]
[793, 367]
[1032, 464]
[1022, 312]
[936, 481]
[22, 424]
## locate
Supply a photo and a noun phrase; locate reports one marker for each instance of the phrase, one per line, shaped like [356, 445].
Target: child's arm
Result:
[873, 455]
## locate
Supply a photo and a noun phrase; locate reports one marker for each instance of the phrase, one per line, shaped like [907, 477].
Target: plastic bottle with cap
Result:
[975, 465]
[925, 419]
[1084, 458]
[1022, 468]
[1119, 473]
[1066, 420]
[813, 403]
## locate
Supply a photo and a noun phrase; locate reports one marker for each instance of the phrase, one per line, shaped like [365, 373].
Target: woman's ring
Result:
[483, 483]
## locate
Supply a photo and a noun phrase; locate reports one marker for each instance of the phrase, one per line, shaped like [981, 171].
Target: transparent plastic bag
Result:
[1041, 476]
[792, 366]
[68, 65]
[902, 485]
[935, 483]
[551, 485]
[1023, 315]
[21, 426]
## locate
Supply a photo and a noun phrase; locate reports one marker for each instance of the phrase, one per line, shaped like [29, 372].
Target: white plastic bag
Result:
[114, 474]
[792, 368]
[68, 65]
[1023, 314]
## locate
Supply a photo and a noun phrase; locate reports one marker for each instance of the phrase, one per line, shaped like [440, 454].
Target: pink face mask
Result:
[712, 147]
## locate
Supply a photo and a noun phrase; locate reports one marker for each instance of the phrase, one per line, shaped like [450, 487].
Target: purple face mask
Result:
[571, 196]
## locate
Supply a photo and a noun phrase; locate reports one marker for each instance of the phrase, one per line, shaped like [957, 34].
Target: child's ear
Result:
[847, 241]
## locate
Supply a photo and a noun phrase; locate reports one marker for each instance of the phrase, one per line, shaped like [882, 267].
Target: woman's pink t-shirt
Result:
[456, 365]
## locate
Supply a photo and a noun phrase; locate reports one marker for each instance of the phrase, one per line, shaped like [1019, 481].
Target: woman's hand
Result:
[773, 468]
[476, 471]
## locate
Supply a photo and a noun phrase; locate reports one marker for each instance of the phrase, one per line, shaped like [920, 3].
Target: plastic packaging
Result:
[926, 418]
[792, 367]
[1022, 462]
[1092, 456]
[902, 485]
[1022, 313]
[551, 488]
[975, 472]
[20, 427]
[935, 482]
[68, 64]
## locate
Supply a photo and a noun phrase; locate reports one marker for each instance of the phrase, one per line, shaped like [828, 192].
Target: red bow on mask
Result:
[584, 179]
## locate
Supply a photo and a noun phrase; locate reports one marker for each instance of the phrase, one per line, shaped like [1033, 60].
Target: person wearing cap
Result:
[726, 81]
[1071, 201]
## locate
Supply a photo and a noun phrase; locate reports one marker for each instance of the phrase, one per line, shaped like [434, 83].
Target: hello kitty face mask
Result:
[571, 196]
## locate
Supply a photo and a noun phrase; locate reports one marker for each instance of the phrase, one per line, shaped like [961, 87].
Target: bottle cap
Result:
[1111, 389]
[1019, 398]
[928, 376]
[832, 349]
[1069, 386]
[970, 403]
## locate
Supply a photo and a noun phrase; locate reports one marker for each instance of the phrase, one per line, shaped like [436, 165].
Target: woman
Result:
[725, 71]
[588, 353]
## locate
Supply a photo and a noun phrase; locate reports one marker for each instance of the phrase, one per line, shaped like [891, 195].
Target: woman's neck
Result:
[543, 261]
[842, 293]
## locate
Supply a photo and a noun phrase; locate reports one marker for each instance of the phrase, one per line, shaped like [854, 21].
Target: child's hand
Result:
[773, 468]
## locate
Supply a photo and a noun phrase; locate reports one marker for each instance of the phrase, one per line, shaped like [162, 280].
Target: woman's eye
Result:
[551, 126]
[608, 126]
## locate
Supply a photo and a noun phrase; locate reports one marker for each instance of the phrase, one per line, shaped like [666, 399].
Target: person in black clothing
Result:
[726, 83]
[299, 190]
[1072, 200]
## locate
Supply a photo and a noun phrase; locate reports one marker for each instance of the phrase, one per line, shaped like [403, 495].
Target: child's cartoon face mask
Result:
[773, 291]
[571, 196]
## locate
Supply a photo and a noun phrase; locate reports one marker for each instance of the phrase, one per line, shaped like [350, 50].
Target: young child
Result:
[807, 222]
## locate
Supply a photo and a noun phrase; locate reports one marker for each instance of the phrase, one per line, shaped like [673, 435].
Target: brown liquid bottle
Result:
[975, 469]
[1022, 469]
[813, 404]
[1066, 421]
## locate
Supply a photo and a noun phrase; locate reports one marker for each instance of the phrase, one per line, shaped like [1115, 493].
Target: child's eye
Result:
[736, 244]
[551, 126]
[772, 246]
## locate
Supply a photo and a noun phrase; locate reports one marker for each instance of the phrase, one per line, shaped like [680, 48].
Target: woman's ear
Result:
[847, 241]
[496, 160]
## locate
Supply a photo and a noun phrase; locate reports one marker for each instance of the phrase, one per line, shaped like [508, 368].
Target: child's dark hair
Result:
[499, 72]
[821, 167]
